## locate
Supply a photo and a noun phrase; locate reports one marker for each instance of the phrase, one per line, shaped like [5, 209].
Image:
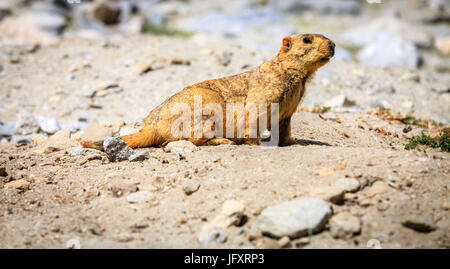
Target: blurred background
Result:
[405, 33]
[73, 62]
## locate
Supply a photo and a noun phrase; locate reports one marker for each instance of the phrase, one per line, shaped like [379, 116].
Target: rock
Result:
[49, 125]
[106, 87]
[70, 77]
[191, 186]
[323, 6]
[116, 149]
[26, 124]
[367, 34]
[84, 118]
[215, 235]
[442, 65]
[157, 14]
[84, 19]
[442, 44]
[89, 93]
[5, 132]
[254, 233]
[339, 101]
[378, 187]
[239, 23]
[284, 241]
[62, 133]
[96, 132]
[231, 213]
[143, 67]
[116, 126]
[17, 184]
[381, 102]
[39, 139]
[419, 223]
[445, 205]
[177, 61]
[225, 58]
[438, 5]
[101, 93]
[139, 156]
[107, 13]
[344, 225]
[127, 130]
[78, 136]
[33, 27]
[139, 197]
[383, 206]
[22, 140]
[3, 171]
[134, 25]
[5, 9]
[59, 141]
[348, 184]
[294, 218]
[334, 195]
[388, 50]
[180, 147]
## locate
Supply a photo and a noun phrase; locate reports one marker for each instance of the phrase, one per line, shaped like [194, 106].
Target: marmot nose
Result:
[331, 46]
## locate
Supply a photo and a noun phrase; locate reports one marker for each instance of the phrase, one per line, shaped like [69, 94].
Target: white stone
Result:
[294, 218]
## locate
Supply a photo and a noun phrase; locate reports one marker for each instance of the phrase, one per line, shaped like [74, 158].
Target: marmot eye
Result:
[307, 40]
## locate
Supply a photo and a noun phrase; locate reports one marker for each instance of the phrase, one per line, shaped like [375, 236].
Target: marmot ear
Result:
[287, 44]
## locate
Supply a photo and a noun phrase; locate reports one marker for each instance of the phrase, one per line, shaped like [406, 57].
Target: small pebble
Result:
[139, 156]
[419, 223]
[191, 186]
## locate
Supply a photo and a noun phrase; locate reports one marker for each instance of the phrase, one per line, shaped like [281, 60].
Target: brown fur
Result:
[281, 80]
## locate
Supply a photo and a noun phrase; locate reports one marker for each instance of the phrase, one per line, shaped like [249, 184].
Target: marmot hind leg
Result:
[219, 141]
[148, 136]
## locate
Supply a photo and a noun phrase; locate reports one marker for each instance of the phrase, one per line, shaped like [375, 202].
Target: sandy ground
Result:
[75, 197]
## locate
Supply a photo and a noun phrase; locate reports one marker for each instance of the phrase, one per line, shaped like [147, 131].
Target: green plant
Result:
[157, 29]
[325, 109]
[441, 141]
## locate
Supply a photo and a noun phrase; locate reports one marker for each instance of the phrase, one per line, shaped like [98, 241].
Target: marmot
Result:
[280, 80]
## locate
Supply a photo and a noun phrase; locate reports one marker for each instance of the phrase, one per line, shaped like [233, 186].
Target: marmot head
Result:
[306, 52]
